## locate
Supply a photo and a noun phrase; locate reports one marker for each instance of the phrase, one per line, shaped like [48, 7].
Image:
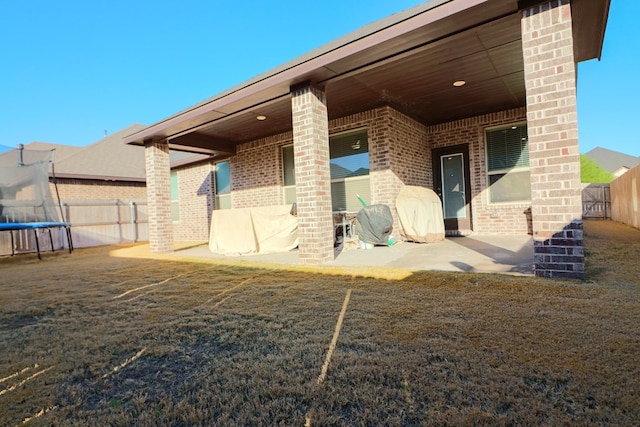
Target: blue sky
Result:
[72, 70]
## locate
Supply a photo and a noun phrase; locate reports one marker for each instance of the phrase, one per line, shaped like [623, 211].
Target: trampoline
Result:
[26, 202]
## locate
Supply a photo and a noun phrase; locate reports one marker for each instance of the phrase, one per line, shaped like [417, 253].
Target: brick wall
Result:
[399, 154]
[86, 189]
[488, 218]
[257, 172]
[196, 200]
[550, 78]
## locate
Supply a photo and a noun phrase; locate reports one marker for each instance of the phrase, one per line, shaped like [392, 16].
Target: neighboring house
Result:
[97, 185]
[106, 169]
[9, 158]
[613, 161]
[473, 98]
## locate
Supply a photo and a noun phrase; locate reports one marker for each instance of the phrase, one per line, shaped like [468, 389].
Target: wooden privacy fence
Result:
[93, 223]
[625, 197]
[596, 201]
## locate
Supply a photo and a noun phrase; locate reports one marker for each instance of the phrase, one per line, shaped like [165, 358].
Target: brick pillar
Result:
[159, 196]
[313, 178]
[550, 78]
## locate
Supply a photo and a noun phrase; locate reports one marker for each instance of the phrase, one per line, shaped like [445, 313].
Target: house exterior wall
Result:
[488, 218]
[257, 172]
[87, 189]
[399, 154]
[196, 201]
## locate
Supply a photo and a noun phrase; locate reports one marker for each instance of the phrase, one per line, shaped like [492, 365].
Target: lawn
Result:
[92, 339]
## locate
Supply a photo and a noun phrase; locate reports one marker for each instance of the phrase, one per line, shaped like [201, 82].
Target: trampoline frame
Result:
[35, 226]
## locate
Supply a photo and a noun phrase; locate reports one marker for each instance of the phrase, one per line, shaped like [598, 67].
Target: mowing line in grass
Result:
[20, 372]
[226, 291]
[334, 341]
[23, 382]
[148, 286]
[40, 413]
[221, 301]
[332, 346]
[125, 363]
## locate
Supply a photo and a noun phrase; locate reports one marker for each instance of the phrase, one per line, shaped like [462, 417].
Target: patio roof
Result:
[408, 61]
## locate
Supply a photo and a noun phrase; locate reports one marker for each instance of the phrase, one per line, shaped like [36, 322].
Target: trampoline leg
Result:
[35, 234]
[69, 239]
[51, 240]
[13, 249]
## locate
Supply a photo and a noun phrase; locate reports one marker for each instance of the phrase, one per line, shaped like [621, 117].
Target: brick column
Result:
[313, 177]
[550, 78]
[159, 196]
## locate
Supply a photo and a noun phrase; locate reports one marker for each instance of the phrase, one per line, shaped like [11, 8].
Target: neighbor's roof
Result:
[110, 159]
[612, 160]
[60, 152]
[407, 61]
[106, 159]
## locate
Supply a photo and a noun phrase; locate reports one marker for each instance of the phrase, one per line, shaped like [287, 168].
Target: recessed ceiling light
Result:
[261, 118]
[459, 83]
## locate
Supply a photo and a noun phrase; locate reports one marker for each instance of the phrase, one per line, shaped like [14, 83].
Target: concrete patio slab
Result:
[479, 254]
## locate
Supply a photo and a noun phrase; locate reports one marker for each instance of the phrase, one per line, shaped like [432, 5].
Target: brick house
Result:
[475, 99]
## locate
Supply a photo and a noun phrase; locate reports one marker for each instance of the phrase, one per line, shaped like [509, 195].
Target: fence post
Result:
[133, 221]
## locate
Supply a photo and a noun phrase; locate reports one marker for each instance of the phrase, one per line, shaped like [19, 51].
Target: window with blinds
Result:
[508, 164]
[349, 165]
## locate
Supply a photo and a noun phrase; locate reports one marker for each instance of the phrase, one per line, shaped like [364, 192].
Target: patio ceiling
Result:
[409, 61]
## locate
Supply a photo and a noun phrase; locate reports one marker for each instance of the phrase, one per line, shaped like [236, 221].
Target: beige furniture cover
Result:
[253, 230]
[420, 214]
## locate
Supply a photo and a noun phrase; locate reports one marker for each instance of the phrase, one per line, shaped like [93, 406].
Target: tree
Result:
[592, 173]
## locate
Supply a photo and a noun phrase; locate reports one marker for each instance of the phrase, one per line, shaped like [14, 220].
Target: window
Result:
[289, 176]
[349, 165]
[175, 197]
[508, 164]
[223, 185]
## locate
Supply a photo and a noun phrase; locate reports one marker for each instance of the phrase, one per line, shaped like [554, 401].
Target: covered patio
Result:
[438, 66]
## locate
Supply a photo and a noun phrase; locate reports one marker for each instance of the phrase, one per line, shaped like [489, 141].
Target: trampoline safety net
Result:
[26, 201]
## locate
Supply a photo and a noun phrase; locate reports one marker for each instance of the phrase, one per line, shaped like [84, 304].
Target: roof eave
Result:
[300, 69]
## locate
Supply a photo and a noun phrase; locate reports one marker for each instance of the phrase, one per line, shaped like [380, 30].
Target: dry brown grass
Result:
[89, 339]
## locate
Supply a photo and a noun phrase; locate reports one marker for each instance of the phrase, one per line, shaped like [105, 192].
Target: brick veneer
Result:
[93, 189]
[159, 196]
[256, 172]
[399, 154]
[550, 77]
[196, 201]
[313, 180]
[488, 218]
